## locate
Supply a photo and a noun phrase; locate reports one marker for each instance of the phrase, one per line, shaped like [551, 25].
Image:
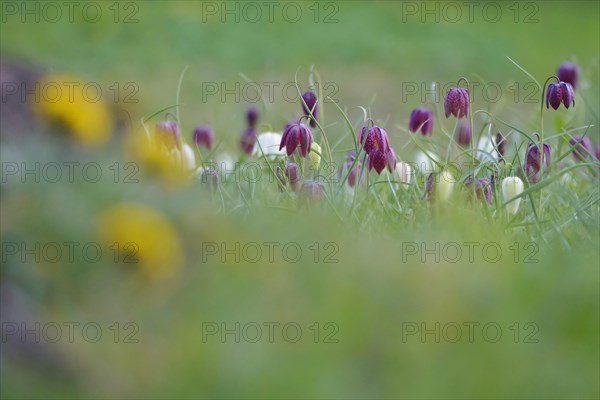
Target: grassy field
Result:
[246, 291]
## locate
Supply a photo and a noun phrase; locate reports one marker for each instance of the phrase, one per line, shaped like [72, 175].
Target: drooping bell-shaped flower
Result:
[463, 134]
[203, 137]
[439, 186]
[581, 147]
[457, 102]
[377, 146]
[569, 72]
[267, 145]
[292, 173]
[354, 174]
[534, 159]
[483, 189]
[248, 140]
[512, 186]
[296, 135]
[421, 118]
[311, 192]
[558, 93]
[168, 134]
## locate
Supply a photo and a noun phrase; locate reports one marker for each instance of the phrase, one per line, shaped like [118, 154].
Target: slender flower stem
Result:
[541, 144]
[470, 126]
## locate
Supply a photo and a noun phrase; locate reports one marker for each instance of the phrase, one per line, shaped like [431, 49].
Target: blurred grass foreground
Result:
[132, 268]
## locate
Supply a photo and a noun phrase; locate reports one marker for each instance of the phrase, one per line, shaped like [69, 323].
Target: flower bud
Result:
[203, 137]
[512, 186]
[532, 161]
[248, 140]
[569, 72]
[483, 189]
[311, 192]
[292, 173]
[310, 105]
[354, 174]
[315, 156]
[463, 134]
[252, 116]
[421, 118]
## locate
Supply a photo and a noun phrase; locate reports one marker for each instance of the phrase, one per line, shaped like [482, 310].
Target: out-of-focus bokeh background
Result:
[542, 291]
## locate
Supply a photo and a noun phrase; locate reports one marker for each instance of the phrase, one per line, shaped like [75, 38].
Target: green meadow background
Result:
[374, 290]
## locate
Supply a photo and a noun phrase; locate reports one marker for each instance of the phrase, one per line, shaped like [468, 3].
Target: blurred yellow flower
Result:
[144, 236]
[78, 106]
[173, 165]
